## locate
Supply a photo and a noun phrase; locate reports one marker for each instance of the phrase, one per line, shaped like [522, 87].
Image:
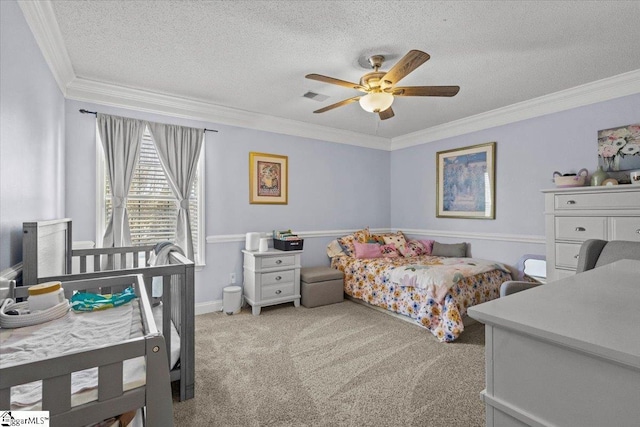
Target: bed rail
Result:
[55, 372]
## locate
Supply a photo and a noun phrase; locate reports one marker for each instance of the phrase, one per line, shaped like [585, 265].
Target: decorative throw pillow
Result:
[346, 242]
[413, 248]
[362, 236]
[458, 250]
[367, 250]
[389, 251]
[376, 238]
[334, 249]
[397, 239]
[428, 245]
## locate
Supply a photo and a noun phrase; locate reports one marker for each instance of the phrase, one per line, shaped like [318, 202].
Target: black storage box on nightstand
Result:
[288, 245]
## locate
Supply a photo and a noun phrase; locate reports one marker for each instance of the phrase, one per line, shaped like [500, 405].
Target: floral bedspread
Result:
[438, 275]
[370, 281]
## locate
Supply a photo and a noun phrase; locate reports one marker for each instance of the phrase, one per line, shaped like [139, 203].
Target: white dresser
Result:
[271, 277]
[573, 215]
[566, 353]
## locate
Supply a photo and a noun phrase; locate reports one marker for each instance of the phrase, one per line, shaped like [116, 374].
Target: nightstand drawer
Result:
[277, 291]
[279, 261]
[277, 277]
[580, 228]
[626, 229]
[567, 255]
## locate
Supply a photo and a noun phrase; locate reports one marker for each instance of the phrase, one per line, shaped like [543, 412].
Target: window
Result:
[151, 204]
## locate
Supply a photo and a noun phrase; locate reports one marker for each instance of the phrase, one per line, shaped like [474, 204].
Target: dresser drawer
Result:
[276, 277]
[580, 228]
[567, 255]
[280, 290]
[625, 228]
[623, 200]
[279, 261]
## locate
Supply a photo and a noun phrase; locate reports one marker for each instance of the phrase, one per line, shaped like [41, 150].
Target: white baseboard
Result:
[208, 307]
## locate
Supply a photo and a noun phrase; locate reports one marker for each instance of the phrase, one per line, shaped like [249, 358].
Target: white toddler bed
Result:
[84, 368]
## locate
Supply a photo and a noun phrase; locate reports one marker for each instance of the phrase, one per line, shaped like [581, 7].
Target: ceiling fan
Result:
[380, 86]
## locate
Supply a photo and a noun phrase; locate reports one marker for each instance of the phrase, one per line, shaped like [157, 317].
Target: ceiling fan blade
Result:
[338, 104]
[407, 64]
[386, 114]
[338, 82]
[426, 91]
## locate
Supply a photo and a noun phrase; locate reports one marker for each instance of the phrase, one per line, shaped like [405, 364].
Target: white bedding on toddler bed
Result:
[73, 332]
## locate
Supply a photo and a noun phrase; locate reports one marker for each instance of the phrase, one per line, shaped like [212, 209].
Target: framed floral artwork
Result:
[619, 148]
[268, 178]
[465, 182]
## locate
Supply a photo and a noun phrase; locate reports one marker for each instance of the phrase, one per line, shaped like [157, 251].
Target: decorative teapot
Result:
[570, 179]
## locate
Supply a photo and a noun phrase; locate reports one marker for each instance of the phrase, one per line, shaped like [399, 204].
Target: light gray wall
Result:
[31, 135]
[331, 186]
[527, 154]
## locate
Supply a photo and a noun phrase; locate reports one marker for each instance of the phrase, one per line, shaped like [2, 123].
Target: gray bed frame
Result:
[48, 256]
[55, 373]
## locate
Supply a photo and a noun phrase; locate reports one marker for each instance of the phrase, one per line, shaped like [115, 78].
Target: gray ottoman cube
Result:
[321, 286]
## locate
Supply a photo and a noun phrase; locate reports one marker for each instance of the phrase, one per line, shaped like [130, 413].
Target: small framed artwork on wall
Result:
[619, 148]
[268, 179]
[465, 182]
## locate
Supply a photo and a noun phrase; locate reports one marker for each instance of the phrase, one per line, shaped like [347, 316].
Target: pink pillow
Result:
[428, 244]
[389, 251]
[367, 250]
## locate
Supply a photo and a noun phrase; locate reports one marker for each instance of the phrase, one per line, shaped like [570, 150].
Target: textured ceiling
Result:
[253, 55]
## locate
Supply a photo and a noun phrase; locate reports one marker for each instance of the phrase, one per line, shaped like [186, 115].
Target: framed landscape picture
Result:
[465, 182]
[268, 178]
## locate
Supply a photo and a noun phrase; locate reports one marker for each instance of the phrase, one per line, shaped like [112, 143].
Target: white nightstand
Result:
[271, 277]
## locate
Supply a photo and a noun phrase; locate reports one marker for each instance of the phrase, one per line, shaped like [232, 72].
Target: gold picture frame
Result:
[466, 182]
[268, 179]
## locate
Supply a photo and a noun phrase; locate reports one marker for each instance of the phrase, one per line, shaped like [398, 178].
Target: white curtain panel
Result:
[179, 149]
[121, 138]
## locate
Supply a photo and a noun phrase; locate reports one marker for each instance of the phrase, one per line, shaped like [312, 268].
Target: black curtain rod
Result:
[95, 113]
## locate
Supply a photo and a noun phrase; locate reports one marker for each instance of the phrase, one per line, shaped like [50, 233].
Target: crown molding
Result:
[44, 26]
[590, 93]
[119, 96]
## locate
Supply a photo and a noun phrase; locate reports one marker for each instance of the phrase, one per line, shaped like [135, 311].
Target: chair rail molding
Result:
[502, 237]
[228, 238]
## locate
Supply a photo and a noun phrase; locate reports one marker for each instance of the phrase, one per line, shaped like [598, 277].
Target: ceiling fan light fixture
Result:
[376, 102]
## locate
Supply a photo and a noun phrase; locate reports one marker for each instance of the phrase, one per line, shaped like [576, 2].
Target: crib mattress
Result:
[73, 332]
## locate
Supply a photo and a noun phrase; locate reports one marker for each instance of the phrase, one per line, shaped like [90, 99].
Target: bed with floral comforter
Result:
[435, 291]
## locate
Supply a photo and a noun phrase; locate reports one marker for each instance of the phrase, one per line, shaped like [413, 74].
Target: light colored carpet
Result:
[337, 365]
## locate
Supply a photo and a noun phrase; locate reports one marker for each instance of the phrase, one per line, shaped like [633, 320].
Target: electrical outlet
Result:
[232, 277]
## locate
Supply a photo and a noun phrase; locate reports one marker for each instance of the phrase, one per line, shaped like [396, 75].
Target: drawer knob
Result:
[576, 256]
[279, 261]
[278, 292]
[638, 231]
[571, 202]
[581, 229]
[278, 277]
